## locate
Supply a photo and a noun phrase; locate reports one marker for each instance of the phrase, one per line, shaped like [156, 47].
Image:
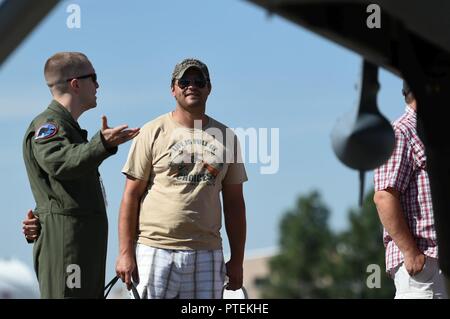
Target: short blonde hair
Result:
[61, 67]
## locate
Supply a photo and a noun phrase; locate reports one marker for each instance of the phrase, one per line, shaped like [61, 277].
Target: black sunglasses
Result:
[183, 83]
[93, 76]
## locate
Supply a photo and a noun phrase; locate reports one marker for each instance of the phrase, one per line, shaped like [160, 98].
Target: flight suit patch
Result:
[46, 131]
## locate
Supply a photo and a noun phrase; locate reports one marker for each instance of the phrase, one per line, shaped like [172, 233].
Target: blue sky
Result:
[266, 73]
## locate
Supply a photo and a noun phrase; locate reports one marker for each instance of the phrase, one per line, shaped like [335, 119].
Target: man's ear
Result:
[74, 85]
[172, 89]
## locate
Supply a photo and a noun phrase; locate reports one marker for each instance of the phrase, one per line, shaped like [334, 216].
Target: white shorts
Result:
[427, 284]
[184, 274]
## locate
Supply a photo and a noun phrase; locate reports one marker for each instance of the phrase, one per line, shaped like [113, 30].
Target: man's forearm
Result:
[236, 228]
[394, 221]
[128, 219]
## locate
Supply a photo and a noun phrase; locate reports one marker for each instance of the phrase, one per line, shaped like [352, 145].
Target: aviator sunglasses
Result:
[184, 83]
[93, 76]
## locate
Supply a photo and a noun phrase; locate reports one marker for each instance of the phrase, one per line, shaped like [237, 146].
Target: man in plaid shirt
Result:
[403, 200]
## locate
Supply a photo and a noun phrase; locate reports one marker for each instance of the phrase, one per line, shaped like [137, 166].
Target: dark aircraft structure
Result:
[411, 39]
[413, 42]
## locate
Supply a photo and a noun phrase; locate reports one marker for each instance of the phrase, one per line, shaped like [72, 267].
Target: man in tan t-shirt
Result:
[175, 171]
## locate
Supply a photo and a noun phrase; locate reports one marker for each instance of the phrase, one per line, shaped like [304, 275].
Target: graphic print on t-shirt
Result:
[194, 161]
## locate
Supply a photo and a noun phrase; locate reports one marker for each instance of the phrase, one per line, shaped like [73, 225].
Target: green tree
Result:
[313, 262]
[302, 268]
[363, 255]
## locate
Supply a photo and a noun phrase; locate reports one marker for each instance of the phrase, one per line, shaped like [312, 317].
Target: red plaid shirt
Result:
[406, 172]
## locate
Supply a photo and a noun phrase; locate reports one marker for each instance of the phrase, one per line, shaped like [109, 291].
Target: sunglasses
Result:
[93, 76]
[184, 83]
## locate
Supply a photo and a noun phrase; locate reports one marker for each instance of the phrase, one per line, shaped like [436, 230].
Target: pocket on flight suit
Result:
[85, 244]
[48, 257]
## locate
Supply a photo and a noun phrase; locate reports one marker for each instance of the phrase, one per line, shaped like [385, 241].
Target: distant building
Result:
[256, 265]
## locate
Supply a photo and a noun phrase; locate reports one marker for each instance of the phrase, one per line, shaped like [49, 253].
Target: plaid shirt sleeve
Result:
[397, 171]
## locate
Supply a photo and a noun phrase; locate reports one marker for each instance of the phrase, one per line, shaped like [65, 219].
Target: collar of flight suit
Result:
[58, 108]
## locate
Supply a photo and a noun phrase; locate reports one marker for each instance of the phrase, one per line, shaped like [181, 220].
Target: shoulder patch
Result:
[45, 131]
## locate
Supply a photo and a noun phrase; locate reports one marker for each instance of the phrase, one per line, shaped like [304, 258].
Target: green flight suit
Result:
[62, 165]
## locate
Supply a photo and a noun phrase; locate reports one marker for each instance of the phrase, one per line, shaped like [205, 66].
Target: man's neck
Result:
[189, 119]
[69, 103]
[413, 105]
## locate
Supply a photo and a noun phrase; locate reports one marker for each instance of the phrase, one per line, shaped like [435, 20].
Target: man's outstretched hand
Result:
[117, 135]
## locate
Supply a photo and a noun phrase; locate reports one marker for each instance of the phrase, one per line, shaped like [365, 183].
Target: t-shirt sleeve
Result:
[397, 171]
[236, 173]
[139, 161]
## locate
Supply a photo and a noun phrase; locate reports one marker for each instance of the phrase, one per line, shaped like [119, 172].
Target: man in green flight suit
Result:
[62, 165]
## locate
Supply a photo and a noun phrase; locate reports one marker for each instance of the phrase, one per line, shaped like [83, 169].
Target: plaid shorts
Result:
[183, 274]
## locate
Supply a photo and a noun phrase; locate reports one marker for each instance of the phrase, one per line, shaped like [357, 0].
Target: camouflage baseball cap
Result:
[181, 67]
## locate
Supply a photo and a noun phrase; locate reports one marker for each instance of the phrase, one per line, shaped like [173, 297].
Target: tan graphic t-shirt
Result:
[185, 169]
